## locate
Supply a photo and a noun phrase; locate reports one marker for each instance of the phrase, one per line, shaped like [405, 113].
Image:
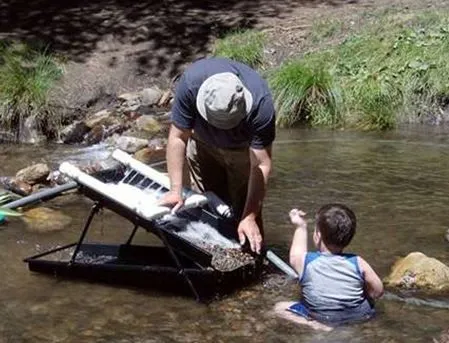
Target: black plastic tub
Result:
[141, 266]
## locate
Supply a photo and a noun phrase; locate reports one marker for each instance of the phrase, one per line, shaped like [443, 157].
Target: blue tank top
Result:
[332, 282]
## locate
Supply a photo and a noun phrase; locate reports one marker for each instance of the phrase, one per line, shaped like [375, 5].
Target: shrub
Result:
[304, 93]
[26, 76]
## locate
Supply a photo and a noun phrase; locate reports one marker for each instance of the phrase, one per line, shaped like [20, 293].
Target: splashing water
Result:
[201, 233]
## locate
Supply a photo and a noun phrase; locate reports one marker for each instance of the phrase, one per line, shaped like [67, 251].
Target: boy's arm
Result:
[298, 248]
[373, 284]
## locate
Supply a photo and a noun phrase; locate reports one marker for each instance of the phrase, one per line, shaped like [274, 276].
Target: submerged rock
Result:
[33, 174]
[43, 219]
[417, 270]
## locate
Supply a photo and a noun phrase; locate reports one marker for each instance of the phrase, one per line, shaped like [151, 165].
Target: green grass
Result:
[394, 70]
[304, 94]
[242, 46]
[26, 76]
[325, 29]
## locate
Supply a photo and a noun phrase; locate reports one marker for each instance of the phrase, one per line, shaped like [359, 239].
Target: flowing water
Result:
[396, 182]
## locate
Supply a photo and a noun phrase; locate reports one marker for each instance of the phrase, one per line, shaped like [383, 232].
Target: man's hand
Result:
[171, 199]
[248, 229]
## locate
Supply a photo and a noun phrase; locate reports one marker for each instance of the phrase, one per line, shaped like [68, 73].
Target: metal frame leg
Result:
[128, 242]
[95, 208]
[178, 264]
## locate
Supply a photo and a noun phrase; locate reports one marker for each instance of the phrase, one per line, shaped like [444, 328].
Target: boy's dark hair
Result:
[337, 224]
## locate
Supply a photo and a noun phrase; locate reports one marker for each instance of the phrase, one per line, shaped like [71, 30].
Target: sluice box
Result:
[199, 255]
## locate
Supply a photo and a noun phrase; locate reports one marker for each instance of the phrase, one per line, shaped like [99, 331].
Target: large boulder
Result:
[417, 270]
[33, 174]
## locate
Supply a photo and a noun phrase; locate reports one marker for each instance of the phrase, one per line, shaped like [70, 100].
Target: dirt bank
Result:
[114, 46]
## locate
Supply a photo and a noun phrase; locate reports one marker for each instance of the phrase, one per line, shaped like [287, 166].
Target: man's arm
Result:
[261, 162]
[180, 131]
[176, 150]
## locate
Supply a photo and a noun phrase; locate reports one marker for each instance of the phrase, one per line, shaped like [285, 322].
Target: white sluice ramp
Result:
[129, 196]
[140, 167]
[133, 199]
[192, 199]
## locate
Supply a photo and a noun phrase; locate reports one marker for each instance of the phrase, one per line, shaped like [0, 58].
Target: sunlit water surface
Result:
[396, 182]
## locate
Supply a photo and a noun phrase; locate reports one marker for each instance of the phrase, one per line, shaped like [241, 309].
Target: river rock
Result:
[16, 186]
[129, 97]
[57, 178]
[131, 144]
[130, 102]
[101, 132]
[74, 133]
[150, 96]
[96, 135]
[33, 174]
[417, 270]
[43, 219]
[148, 124]
[150, 154]
[103, 117]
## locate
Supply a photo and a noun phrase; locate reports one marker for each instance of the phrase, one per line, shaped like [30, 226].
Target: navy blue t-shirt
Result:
[257, 129]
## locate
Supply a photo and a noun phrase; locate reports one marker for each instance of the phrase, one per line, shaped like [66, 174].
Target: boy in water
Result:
[337, 288]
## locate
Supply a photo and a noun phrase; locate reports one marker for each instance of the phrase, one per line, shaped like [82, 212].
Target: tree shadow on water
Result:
[159, 35]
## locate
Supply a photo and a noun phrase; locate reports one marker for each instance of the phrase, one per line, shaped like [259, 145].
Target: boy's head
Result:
[336, 225]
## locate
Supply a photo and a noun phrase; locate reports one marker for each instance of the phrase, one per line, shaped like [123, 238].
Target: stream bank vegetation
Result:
[391, 70]
[27, 74]
[384, 68]
[246, 46]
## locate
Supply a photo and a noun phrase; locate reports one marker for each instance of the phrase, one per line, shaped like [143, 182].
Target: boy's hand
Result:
[296, 218]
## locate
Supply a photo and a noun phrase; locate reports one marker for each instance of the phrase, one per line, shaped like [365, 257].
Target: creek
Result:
[396, 182]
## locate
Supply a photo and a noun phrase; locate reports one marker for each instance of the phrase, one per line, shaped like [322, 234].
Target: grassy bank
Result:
[392, 69]
[26, 77]
[243, 46]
